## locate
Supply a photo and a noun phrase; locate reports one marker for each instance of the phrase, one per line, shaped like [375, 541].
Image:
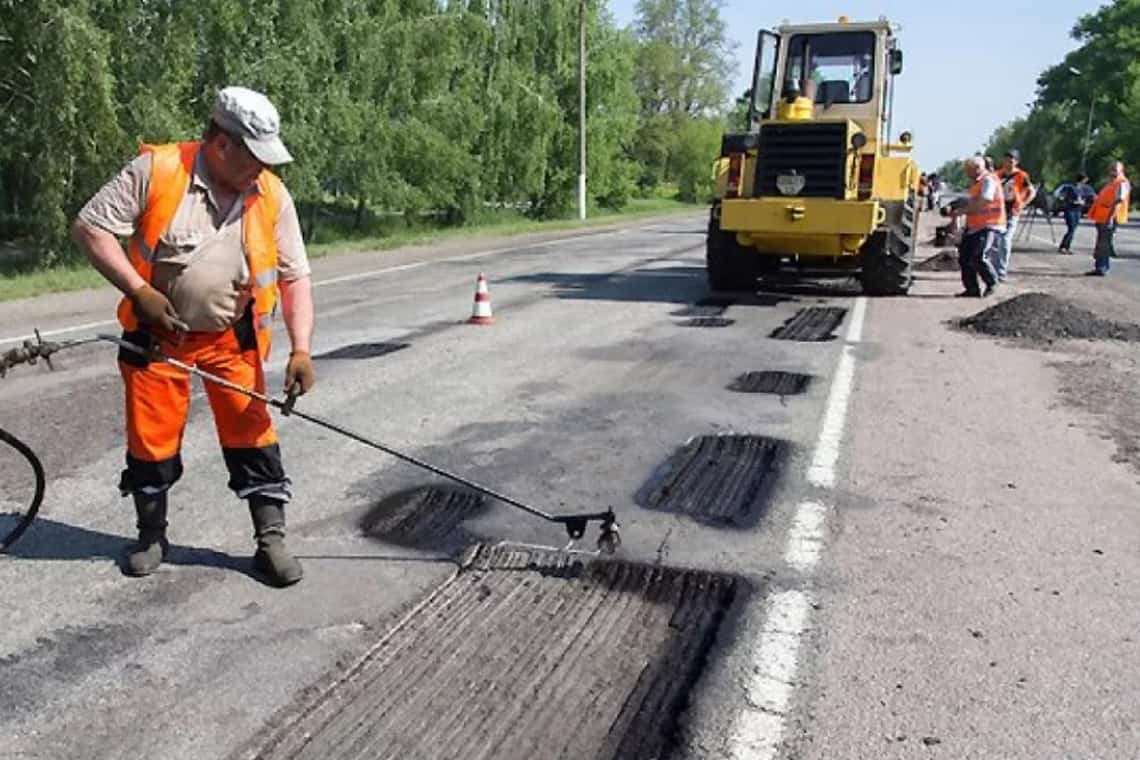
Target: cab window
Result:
[839, 66]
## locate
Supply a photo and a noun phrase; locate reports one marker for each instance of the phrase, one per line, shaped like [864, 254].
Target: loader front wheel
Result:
[888, 254]
[730, 266]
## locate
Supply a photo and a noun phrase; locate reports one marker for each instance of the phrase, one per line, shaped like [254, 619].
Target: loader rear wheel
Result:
[730, 266]
[888, 254]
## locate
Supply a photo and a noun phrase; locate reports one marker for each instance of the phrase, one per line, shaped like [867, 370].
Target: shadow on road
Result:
[53, 540]
[809, 288]
[671, 284]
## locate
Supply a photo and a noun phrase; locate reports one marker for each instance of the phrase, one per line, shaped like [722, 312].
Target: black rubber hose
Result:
[30, 515]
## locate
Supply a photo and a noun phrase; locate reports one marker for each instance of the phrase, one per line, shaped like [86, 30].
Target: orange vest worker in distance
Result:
[214, 244]
[989, 213]
[985, 223]
[1112, 201]
[1109, 210]
[1018, 188]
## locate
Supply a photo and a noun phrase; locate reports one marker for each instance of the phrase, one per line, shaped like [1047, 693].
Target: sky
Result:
[960, 80]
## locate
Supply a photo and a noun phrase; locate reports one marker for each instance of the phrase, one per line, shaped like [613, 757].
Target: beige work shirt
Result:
[199, 262]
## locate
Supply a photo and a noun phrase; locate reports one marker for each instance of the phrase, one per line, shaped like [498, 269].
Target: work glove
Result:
[153, 308]
[299, 371]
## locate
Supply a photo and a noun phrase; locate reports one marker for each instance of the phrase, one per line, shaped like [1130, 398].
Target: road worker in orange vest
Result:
[214, 243]
[1109, 210]
[1019, 193]
[985, 223]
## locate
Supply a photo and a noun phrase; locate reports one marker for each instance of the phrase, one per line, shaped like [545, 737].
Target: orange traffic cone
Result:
[481, 314]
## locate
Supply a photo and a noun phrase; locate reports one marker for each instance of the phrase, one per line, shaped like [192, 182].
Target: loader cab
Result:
[846, 71]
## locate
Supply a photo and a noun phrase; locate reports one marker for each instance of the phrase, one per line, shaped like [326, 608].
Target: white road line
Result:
[759, 729]
[805, 540]
[59, 331]
[821, 473]
[349, 277]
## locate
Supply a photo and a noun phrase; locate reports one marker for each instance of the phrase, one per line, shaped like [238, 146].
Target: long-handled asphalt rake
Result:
[609, 538]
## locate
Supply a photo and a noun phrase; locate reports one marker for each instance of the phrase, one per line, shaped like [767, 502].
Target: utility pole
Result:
[1088, 129]
[1088, 136]
[581, 109]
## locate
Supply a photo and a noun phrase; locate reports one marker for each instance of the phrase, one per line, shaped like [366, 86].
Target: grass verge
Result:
[26, 284]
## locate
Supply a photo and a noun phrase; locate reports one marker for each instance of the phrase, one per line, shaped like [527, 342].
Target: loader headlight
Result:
[791, 184]
[858, 140]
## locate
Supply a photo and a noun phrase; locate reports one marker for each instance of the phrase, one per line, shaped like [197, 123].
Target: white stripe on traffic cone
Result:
[481, 314]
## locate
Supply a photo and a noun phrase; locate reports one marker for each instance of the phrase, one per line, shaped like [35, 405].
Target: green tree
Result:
[684, 64]
[59, 134]
[697, 144]
[953, 174]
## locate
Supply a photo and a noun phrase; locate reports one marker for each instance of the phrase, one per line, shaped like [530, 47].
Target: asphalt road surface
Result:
[919, 553]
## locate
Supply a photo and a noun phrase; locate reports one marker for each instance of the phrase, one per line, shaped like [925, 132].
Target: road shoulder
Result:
[976, 599]
[58, 314]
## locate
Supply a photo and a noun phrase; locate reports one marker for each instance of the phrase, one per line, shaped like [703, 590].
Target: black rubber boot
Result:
[272, 558]
[145, 555]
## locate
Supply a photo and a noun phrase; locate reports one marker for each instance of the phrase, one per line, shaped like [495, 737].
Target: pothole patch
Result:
[707, 322]
[363, 351]
[721, 479]
[524, 653]
[767, 381]
[424, 518]
[815, 323]
[710, 306]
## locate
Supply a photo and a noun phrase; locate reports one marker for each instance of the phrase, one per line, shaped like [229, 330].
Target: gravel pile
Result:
[1042, 317]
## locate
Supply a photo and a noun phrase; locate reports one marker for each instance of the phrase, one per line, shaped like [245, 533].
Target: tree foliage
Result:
[683, 68]
[413, 107]
[1099, 78]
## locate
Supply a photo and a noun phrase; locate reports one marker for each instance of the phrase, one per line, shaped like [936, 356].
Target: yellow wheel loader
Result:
[816, 184]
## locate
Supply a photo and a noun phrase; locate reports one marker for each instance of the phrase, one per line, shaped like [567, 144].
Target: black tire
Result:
[888, 254]
[730, 266]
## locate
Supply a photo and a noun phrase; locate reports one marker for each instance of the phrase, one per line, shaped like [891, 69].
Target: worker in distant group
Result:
[214, 242]
[1019, 193]
[1075, 198]
[985, 223]
[1109, 210]
[989, 161]
[933, 191]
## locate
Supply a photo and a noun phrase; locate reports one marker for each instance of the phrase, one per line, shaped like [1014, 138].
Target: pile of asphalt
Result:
[943, 261]
[1042, 317]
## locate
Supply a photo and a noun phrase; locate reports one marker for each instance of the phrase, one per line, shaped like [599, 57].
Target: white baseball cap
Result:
[250, 115]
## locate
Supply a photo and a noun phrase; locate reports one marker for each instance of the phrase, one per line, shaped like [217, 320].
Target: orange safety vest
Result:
[171, 168]
[993, 214]
[1101, 212]
[1019, 178]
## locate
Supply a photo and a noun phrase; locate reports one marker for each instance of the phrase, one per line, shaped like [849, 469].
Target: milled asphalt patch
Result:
[523, 654]
[710, 306]
[362, 351]
[780, 383]
[707, 322]
[815, 323]
[721, 479]
[424, 518]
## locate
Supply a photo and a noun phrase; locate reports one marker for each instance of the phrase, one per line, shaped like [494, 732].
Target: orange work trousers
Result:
[158, 406]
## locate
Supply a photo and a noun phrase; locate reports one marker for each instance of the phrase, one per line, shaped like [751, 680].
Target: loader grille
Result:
[816, 151]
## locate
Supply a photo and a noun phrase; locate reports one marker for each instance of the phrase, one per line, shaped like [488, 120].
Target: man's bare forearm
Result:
[107, 256]
[297, 308]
